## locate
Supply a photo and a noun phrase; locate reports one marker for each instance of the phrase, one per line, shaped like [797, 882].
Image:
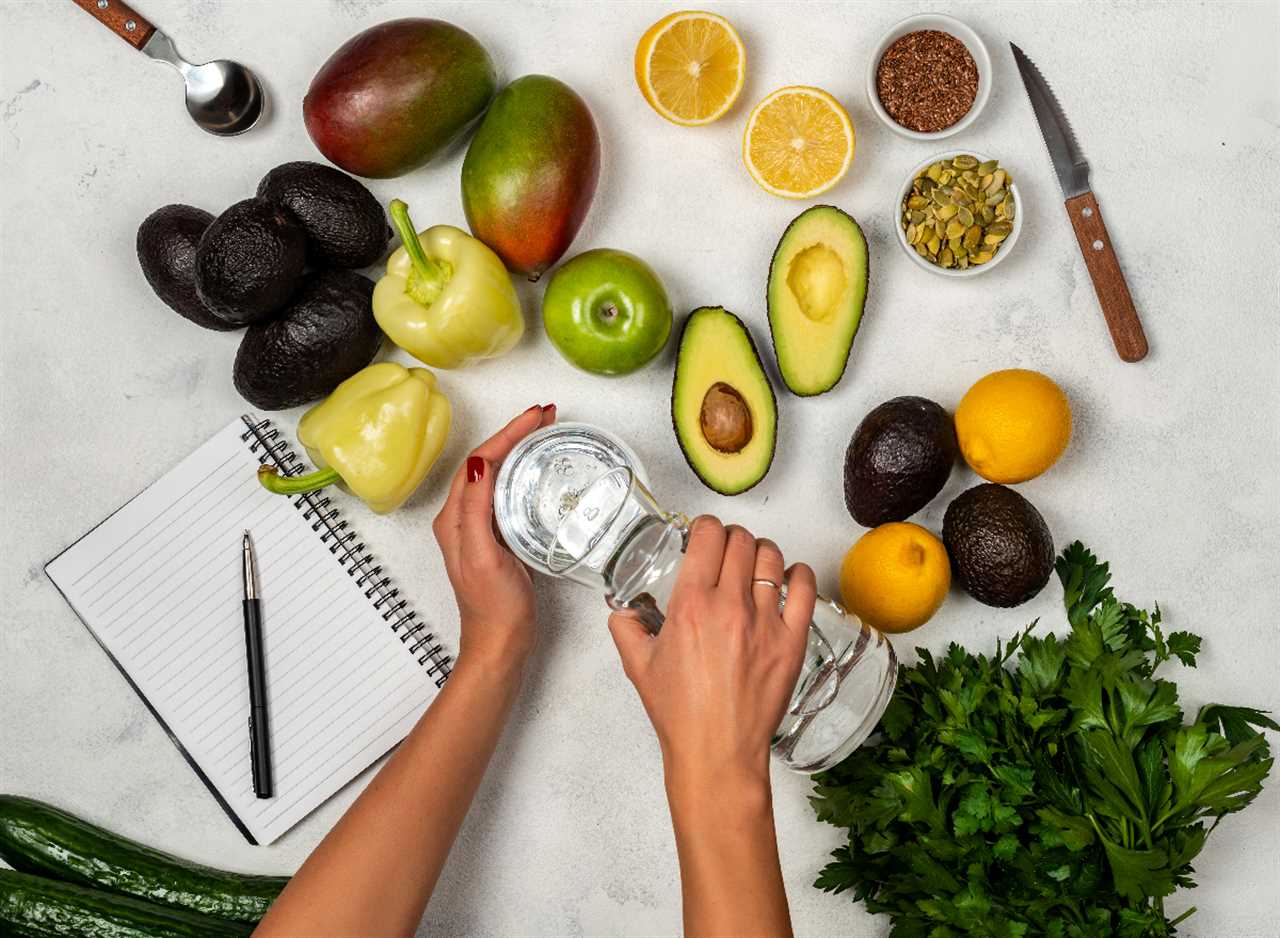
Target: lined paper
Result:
[158, 583]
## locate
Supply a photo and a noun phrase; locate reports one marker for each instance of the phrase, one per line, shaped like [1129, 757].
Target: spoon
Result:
[223, 97]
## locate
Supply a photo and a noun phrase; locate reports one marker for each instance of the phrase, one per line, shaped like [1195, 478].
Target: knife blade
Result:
[1072, 170]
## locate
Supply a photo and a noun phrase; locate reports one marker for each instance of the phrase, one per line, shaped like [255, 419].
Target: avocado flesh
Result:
[1000, 547]
[718, 374]
[817, 289]
[898, 459]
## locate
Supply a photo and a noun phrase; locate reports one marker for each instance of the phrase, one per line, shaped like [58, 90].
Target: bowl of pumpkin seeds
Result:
[959, 214]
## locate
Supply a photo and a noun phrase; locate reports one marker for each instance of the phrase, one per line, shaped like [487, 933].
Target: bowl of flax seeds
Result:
[929, 77]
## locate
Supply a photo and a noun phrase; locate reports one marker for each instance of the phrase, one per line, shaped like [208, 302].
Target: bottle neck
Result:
[642, 571]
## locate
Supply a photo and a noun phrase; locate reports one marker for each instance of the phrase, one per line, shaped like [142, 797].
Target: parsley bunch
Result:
[1052, 789]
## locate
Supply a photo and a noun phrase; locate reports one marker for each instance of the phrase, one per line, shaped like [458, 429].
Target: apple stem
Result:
[609, 312]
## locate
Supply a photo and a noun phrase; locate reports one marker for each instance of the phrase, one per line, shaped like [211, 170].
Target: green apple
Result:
[607, 312]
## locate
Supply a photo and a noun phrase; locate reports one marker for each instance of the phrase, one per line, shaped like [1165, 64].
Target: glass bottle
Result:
[571, 502]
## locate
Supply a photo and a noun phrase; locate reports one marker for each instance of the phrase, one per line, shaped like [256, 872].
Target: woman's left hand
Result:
[492, 587]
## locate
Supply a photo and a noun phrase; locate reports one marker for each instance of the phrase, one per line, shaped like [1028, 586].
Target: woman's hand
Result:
[717, 678]
[715, 682]
[492, 588]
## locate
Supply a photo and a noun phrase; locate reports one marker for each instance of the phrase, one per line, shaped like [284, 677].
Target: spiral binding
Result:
[354, 557]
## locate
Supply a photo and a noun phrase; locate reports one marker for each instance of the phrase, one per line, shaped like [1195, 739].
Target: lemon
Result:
[799, 142]
[1013, 425]
[690, 67]
[895, 577]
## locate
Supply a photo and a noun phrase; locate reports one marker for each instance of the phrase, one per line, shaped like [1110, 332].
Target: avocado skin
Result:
[166, 244]
[675, 424]
[326, 335]
[345, 224]
[250, 261]
[1000, 548]
[898, 459]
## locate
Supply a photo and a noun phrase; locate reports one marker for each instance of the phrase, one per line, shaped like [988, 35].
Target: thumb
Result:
[634, 641]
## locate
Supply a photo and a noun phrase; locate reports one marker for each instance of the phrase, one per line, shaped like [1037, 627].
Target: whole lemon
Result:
[1013, 425]
[895, 577]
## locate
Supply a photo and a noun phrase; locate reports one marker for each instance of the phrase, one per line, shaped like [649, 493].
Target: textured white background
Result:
[1171, 474]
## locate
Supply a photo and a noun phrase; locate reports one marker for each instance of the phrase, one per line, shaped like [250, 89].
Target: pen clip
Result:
[253, 754]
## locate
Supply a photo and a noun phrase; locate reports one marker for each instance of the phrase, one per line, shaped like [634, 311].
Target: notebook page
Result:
[159, 585]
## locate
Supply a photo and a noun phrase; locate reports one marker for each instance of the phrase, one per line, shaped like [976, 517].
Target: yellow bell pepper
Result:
[446, 298]
[377, 435]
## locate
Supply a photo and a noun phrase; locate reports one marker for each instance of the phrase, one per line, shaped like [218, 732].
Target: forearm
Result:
[729, 871]
[375, 871]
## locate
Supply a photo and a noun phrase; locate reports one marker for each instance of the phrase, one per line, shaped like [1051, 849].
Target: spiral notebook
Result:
[349, 667]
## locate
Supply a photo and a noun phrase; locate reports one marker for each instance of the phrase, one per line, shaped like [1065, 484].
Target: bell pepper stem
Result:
[429, 275]
[273, 481]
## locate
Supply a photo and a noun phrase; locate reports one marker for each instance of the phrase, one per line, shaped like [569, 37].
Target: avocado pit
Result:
[725, 419]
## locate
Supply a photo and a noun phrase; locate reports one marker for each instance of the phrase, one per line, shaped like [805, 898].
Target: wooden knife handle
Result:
[120, 18]
[1108, 278]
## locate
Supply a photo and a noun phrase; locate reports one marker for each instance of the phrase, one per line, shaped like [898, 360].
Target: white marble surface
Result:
[1171, 474]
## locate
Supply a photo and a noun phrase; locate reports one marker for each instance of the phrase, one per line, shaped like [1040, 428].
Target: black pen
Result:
[259, 739]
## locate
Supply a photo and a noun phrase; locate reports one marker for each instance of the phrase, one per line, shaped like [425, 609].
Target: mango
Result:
[530, 173]
[396, 95]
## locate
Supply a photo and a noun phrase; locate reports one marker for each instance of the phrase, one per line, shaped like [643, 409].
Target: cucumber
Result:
[35, 907]
[38, 838]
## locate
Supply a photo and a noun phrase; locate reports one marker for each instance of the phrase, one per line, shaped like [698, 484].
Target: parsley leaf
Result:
[1051, 789]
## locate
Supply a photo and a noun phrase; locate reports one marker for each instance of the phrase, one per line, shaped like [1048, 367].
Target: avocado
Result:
[722, 405]
[166, 244]
[326, 335]
[817, 289]
[345, 224]
[898, 459]
[250, 261]
[1000, 548]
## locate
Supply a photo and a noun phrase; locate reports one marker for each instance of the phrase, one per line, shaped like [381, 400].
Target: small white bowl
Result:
[1019, 213]
[947, 24]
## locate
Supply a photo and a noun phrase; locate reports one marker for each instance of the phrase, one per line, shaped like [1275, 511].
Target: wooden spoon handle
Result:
[1108, 278]
[121, 19]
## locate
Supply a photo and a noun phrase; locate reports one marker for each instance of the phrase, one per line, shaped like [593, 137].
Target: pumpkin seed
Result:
[959, 211]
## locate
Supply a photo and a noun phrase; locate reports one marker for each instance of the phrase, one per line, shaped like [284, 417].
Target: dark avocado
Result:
[345, 225]
[326, 335]
[722, 405]
[166, 243]
[1000, 548]
[898, 460]
[250, 261]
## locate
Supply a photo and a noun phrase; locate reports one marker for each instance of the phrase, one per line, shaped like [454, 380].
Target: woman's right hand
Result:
[716, 679]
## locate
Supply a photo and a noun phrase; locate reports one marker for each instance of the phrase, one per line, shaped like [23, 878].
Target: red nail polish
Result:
[548, 407]
[475, 468]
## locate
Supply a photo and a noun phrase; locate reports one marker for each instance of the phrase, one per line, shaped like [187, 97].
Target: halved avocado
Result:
[722, 405]
[817, 288]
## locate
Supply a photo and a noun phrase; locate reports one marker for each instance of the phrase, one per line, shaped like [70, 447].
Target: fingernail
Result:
[475, 468]
[547, 408]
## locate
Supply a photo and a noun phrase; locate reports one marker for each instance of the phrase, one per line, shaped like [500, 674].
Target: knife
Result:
[1082, 208]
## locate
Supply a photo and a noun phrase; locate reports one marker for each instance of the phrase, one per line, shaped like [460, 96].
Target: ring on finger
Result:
[763, 581]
